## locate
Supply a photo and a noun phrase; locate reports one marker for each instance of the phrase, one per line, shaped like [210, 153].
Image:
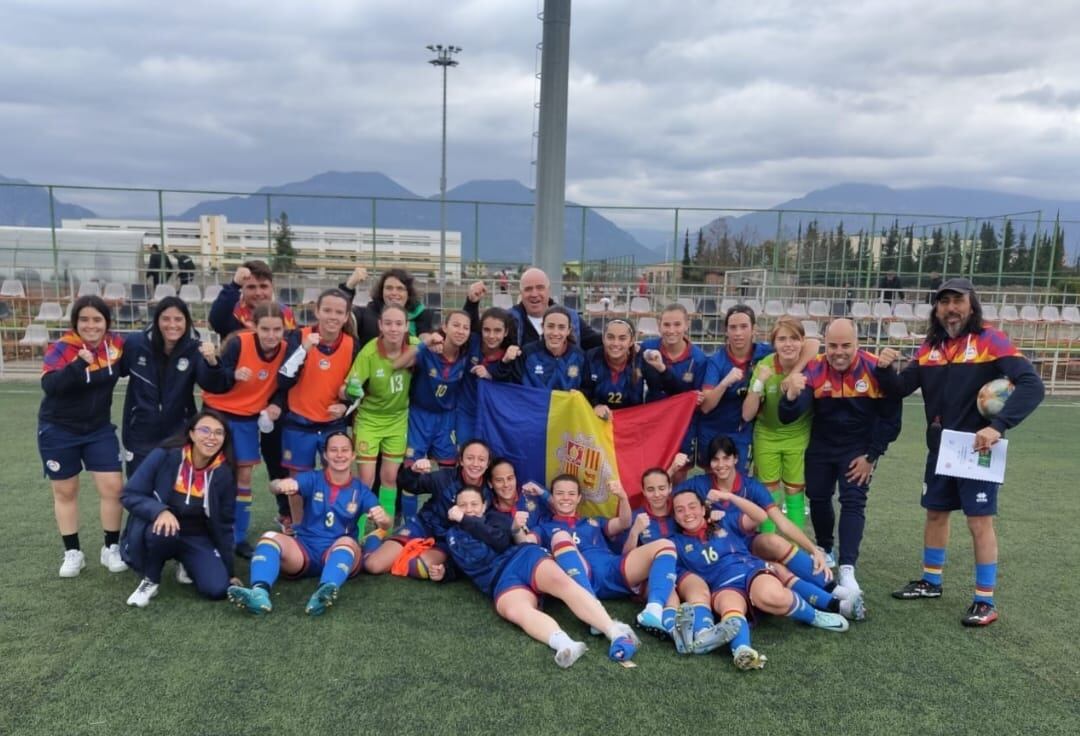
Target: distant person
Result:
[891, 286]
[504, 282]
[958, 357]
[642, 286]
[529, 312]
[185, 267]
[158, 266]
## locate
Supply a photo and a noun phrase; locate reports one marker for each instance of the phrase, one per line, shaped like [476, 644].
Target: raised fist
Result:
[242, 274]
[476, 291]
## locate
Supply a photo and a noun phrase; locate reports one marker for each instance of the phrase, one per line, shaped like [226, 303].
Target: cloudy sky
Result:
[725, 104]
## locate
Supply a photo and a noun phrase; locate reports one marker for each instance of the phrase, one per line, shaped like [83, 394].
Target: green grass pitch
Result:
[405, 657]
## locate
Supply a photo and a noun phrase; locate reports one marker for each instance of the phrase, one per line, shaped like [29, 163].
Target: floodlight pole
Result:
[444, 58]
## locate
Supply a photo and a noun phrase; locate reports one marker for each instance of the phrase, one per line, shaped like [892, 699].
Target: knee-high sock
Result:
[985, 579]
[265, 563]
[388, 499]
[933, 564]
[243, 515]
[742, 637]
[409, 505]
[569, 559]
[339, 563]
[768, 526]
[802, 565]
[815, 596]
[795, 505]
[800, 610]
[703, 618]
[371, 541]
[662, 577]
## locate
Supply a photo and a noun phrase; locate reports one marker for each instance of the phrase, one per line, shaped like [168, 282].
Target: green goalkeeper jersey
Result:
[384, 388]
[768, 425]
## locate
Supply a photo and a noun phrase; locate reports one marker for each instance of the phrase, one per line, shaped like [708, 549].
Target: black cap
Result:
[959, 285]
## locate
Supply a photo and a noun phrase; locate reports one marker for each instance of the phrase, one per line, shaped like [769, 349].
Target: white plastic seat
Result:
[754, 304]
[810, 327]
[726, 304]
[640, 305]
[797, 310]
[163, 290]
[1029, 313]
[114, 292]
[88, 288]
[990, 313]
[310, 295]
[898, 331]
[13, 289]
[688, 304]
[1070, 315]
[191, 293]
[502, 300]
[50, 312]
[648, 327]
[35, 336]
[860, 310]
[211, 293]
[818, 309]
[774, 308]
[1050, 313]
[922, 312]
[904, 311]
[882, 310]
[595, 308]
[1008, 313]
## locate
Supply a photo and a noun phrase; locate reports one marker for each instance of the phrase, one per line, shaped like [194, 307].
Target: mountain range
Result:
[505, 226]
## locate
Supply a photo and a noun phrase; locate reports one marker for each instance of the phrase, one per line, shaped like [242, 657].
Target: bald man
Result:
[854, 422]
[528, 313]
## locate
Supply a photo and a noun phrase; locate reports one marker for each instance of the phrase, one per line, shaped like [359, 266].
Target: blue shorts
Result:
[245, 440]
[946, 493]
[520, 571]
[64, 453]
[737, 574]
[607, 576]
[315, 559]
[431, 434]
[412, 529]
[301, 444]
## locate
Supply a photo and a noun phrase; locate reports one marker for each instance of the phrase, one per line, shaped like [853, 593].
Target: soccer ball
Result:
[992, 397]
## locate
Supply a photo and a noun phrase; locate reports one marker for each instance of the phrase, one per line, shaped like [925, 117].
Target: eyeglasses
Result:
[207, 432]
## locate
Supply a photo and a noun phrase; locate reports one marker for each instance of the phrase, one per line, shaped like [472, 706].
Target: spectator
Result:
[185, 267]
[158, 266]
[891, 288]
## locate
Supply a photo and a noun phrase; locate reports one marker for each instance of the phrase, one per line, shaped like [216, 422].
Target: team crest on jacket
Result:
[861, 386]
[324, 364]
[351, 509]
[579, 455]
[593, 522]
[572, 371]
[182, 364]
[433, 373]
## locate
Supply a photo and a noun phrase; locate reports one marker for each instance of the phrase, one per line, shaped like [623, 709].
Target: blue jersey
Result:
[718, 555]
[747, 488]
[469, 389]
[537, 367]
[614, 388]
[443, 485]
[588, 533]
[726, 416]
[660, 527]
[330, 511]
[436, 381]
[687, 369]
[537, 507]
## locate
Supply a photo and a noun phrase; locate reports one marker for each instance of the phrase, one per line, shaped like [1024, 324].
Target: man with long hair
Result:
[959, 356]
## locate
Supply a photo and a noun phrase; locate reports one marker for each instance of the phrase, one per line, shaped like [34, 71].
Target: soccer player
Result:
[75, 428]
[515, 576]
[382, 421]
[313, 375]
[163, 365]
[396, 286]
[580, 547]
[420, 542]
[487, 347]
[527, 505]
[779, 447]
[243, 385]
[685, 362]
[959, 355]
[553, 363]
[614, 372]
[180, 506]
[725, 384]
[853, 423]
[324, 542]
[715, 553]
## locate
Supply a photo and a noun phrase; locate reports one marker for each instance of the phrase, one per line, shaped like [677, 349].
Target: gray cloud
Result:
[703, 103]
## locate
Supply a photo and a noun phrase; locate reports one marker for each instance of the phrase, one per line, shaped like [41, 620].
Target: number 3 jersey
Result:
[330, 511]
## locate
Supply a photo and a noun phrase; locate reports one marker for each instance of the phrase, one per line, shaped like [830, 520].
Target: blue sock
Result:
[339, 564]
[409, 505]
[371, 542]
[800, 610]
[703, 618]
[742, 638]
[985, 579]
[802, 565]
[933, 563]
[668, 619]
[662, 577]
[569, 559]
[243, 515]
[265, 563]
[812, 594]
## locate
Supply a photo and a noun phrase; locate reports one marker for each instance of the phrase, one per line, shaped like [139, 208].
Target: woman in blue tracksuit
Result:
[163, 363]
[555, 362]
[180, 506]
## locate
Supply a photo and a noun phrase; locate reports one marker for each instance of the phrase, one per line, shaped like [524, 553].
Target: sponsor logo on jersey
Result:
[593, 522]
[970, 353]
[318, 496]
[688, 548]
[264, 374]
[182, 364]
[286, 454]
[826, 388]
[324, 364]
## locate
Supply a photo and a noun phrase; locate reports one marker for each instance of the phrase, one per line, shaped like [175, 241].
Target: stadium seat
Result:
[922, 312]
[88, 288]
[648, 327]
[1030, 313]
[755, 305]
[35, 336]
[860, 310]
[138, 292]
[904, 311]
[191, 293]
[687, 304]
[882, 310]
[838, 309]
[114, 292]
[620, 309]
[727, 304]
[1070, 315]
[818, 309]
[597, 323]
[640, 305]
[797, 310]
[1050, 314]
[306, 317]
[161, 291]
[131, 314]
[773, 308]
[697, 328]
[310, 295]
[1008, 314]
[594, 308]
[12, 289]
[49, 312]
[707, 306]
[898, 331]
[211, 293]
[810, 327]
[502, 300]
[990, 313]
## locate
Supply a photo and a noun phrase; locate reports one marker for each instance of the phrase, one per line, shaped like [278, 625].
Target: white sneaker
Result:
[566, 656]
[74, 562]
[182, 576]
[142, 595]
[830, 561]
[110, 558]
[846, 578]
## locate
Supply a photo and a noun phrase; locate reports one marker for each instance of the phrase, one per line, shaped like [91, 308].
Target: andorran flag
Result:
[546, 433]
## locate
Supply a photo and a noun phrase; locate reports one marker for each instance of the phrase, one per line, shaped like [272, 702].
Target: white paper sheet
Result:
[956, 458]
